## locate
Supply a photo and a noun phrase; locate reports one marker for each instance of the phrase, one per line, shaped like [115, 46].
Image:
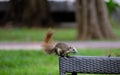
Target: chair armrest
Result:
[89, 64]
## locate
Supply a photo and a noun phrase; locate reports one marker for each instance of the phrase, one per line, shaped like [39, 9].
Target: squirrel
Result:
[60, 49]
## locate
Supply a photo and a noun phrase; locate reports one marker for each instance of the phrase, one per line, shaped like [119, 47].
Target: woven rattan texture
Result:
[96, 65]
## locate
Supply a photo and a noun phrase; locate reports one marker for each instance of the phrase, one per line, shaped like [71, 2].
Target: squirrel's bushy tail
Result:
[48, 43]
[48, 37]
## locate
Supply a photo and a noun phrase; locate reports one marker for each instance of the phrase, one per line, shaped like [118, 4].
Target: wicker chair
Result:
[89, 65]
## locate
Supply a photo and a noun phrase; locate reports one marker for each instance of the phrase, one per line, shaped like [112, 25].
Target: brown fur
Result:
[60, 49]
[48, 43]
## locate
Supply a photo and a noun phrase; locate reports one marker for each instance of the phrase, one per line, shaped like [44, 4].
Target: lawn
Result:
[33, 62]
[32, 35]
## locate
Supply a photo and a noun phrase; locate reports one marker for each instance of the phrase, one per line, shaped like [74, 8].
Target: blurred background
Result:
[20, 17]
[92, 26]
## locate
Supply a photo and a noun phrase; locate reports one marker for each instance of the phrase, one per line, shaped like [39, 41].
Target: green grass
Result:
[27, 63]
[21, 62]
[31, 35]
[26, 35]
[117, 31]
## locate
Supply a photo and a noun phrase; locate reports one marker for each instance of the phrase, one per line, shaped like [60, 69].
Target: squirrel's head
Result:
[73, 50]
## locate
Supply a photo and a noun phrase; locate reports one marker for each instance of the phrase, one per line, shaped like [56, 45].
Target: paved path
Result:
[37, 46]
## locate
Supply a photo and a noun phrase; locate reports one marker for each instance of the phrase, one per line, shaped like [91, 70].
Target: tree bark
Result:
[13, 14]
[94, 28]
[82, 22]
[36, 12]
[104, 19]
[29, 13]
[92, 20]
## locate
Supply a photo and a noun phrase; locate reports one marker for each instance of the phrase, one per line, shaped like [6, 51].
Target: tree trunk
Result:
[13, 14]
[29, 12]
[36, 12]
[92, 20]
